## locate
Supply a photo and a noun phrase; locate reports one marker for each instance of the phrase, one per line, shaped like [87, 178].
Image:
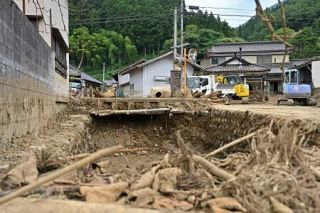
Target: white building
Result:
[51, 20]
[140, 78]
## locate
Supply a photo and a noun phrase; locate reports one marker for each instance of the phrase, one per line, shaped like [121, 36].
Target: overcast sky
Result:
[245, 7]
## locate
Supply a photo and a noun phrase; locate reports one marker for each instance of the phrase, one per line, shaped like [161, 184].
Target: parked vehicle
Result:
[295, 91]
[231, 87]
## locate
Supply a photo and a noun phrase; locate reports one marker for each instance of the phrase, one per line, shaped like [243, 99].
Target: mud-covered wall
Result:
[27, 86]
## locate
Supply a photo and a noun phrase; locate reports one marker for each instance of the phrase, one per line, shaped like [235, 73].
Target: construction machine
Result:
[231, 87]
[295, 91]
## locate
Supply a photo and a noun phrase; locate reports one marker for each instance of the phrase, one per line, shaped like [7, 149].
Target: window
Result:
[204, 82]
[264, 59]
[218, 60]
[214, 60]
[60, 49]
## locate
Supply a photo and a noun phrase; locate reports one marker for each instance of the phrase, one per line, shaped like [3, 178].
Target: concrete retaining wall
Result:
[27, 86]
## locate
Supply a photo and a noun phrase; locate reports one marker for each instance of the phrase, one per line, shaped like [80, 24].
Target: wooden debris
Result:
[212, 169]
[186, 153]
[225, 203]
[104, 113]
[146, 180]
[279, 207]
[171, 203]
[143, 197]
[166, 180]
[103, 193]
[233, 143]
[59, 173]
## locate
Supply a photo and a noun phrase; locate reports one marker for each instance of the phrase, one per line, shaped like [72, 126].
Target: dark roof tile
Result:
[259, 46]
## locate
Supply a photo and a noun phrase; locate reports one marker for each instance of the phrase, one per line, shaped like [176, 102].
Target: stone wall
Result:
[27, 86]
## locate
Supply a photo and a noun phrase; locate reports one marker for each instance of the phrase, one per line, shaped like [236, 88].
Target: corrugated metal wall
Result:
[159, 68]
[316, 73]
[137, 84]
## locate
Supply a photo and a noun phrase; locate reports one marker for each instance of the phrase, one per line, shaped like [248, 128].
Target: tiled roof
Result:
[259, 46]
[142, 63]
[304, 62]
[73, 72]
[86, 77]
[240, 66]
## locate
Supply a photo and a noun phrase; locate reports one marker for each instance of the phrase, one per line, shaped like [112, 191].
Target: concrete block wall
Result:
[27, 76]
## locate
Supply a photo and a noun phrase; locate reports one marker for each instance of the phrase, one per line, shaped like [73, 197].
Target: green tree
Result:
[92, 49]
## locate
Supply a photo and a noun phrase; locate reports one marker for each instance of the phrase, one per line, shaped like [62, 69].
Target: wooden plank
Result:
[104, 113]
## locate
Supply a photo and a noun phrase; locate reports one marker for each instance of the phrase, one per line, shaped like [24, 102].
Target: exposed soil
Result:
[279, 164]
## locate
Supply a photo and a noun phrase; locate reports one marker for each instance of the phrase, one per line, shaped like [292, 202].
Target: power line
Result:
[227, 8]
[123, 17]
[121, 20]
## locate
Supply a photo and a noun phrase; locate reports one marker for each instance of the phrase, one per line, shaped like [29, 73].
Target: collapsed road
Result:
[211, 158]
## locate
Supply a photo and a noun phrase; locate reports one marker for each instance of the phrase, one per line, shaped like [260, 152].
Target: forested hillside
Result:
[119, 31]
[303, 19]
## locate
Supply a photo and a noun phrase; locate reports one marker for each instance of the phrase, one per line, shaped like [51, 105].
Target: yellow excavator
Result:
[232, 88]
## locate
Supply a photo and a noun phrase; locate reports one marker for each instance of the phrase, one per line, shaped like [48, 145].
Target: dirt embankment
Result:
[277, 167]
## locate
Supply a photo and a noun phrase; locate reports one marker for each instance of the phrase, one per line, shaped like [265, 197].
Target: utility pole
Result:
[103, 70]
[24, 6]
[182, 27]
[175, 35]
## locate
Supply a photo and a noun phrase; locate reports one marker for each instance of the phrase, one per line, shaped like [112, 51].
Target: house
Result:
[34, 83]
[265, 53]
[82, 82]
[51, 20]
[310, 74]
[252, 74]
[140, 78]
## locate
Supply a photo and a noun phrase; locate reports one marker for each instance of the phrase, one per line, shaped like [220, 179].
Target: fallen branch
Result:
[212, 169]
[186, 153]
[59, 173]
[84, 155]
[233, 143]
[315, 171]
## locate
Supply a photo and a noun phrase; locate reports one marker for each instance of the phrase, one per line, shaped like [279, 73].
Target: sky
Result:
[244, 7]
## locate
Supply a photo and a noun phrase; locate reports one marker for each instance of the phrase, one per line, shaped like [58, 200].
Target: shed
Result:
[310, 74]
[82, 82]
[140, 78]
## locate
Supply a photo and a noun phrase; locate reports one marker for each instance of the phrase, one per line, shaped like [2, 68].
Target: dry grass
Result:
[280, 166]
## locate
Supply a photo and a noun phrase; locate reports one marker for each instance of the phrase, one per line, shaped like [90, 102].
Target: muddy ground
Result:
[156, 136]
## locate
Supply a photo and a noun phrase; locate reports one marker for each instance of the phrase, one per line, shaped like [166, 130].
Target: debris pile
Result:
[279, 171]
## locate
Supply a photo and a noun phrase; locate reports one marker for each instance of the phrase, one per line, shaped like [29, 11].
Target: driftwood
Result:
[59, 173]
[190, 159]
[233, 143]
[186, 153]
[104, 113]
[84, 155]
[213, 95]
[212, 169]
